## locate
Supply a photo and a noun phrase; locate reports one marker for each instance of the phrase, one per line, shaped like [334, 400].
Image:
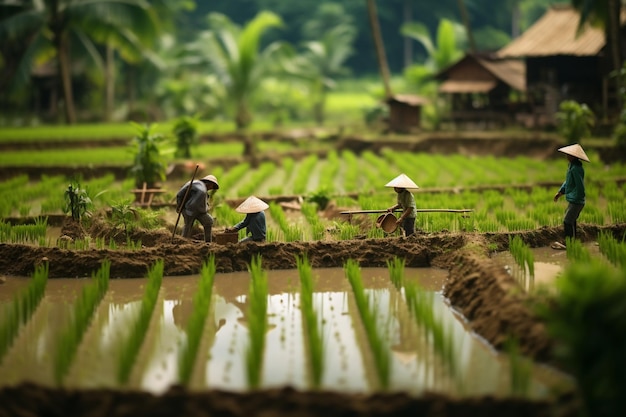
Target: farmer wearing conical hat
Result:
[574, 190]
[254, 221]
[196, 204]
[401, 185]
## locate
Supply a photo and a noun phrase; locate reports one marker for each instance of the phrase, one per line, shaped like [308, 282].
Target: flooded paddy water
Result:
[416, 366]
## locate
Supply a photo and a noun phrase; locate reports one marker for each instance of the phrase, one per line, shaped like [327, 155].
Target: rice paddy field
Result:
[332, 315]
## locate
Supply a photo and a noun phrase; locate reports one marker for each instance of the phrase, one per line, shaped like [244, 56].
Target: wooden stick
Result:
[418, 210]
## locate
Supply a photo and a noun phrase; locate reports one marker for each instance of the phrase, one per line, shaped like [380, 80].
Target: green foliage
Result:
[148, 165]
[186, 132]
[77, 201]
[587, 318]
[321, 197]
[575, 121]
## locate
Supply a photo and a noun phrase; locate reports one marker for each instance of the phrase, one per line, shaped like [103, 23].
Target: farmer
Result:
[574, 190]
[196, 205]
[254, 221]
[401, 185]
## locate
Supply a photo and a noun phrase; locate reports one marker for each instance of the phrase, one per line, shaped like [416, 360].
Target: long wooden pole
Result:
[418, 210]
[179, 209]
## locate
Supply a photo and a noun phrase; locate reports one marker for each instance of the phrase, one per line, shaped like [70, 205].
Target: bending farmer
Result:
[196, 206]
[254, 222]
[401, 185]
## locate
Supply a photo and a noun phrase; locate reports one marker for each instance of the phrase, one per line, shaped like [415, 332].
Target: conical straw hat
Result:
[575, 150]
[251, 205]
[402, 181]
[211, 178]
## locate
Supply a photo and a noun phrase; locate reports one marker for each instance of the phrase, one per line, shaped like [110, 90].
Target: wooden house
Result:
[484, 91]
[405, 112]
[563, 63]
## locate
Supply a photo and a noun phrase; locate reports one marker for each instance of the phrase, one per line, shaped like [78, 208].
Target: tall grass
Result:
[196, 324]
[312, 324]
[22, 307]
[368, 312]
[140, 327]
[83, 311]
[257, 321]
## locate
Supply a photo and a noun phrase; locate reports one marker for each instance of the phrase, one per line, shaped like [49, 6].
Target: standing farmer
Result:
[401, 185]
[196, 206]
[574, 190]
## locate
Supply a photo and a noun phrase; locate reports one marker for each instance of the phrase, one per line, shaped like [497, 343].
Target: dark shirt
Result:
[574, 185]
[197, 200]
[255, 223]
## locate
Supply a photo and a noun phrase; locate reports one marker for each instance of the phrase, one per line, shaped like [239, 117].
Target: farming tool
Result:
[179, 209]
[387, 220]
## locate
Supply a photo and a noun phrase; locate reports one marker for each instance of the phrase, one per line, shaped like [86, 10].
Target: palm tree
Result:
[57, 28]
[234, 55]
[322, 61]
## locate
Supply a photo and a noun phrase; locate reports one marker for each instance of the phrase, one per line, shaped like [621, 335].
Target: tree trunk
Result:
[63, 57]
[614, 44]
[408, 42]
[380, 48]
[109, 83]
[466, 23]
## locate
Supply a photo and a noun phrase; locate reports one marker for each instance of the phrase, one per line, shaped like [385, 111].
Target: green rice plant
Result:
[614, 250]
[420, 304]
[226, 215]
[524, 258]
[396, 271]
[137, 335]
[133, 245]
[521, 369]
[309, 211]
[83, 311]
[257, 322]
[576, 251]
[352, 171]
[311, 322]
[24, 233]
[303, 174]
[21, 308]
[617, 211]
[347, 231]
[586, 318]
[195, 327]
[233, 176]
[329, 172]
[367, 310]
[258, 176]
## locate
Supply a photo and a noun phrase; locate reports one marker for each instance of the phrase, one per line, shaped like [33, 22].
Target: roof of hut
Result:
[480, 74]
[556, 33]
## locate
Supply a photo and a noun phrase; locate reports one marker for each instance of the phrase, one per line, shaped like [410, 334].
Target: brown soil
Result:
[483, 292]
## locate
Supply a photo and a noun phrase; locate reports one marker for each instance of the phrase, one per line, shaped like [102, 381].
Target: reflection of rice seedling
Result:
[84, 309]
[420, 304]
[140, 327]
[22, 307]
[257, 321]
[521, 369]
[195, 326]
[315, 342]
[367, 311]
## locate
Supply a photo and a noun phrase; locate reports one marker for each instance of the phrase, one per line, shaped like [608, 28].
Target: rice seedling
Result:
[24, 233]
[195, 327]
[309, 211]
[524, 258]
[330, 169]
[257, 322]
[614, 250]
[312, 324]
[617, 211]
[140, 327]
[396, 271]
[368, 312]
[83, 311]
[576, 251]
[258, 176]
[303, 174]
[22, 307]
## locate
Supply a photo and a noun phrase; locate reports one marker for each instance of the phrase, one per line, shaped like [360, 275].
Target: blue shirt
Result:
[255, 223]
[574, 185]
